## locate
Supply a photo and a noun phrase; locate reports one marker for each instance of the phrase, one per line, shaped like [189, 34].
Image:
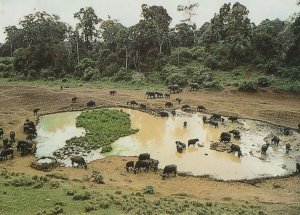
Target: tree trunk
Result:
[126, 60]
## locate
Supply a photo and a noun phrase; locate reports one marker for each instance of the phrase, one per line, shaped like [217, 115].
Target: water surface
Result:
[157, 136]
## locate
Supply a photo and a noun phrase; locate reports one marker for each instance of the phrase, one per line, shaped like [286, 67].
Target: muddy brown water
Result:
[157, 136]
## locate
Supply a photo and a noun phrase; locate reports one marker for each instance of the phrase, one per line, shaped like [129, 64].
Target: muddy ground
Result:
[17, 103]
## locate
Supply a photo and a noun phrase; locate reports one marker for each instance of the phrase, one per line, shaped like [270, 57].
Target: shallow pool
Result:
[157, 136]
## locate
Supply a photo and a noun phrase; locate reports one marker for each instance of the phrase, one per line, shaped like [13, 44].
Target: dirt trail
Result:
[17, 103]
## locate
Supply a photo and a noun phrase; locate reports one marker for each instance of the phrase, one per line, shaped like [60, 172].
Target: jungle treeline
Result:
[41, 46]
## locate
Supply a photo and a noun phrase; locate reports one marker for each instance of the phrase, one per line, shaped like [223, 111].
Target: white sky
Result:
[128, 11]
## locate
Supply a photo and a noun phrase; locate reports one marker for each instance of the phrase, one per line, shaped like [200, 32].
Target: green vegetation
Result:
[103, 127]
[38, 195]
[151, 53]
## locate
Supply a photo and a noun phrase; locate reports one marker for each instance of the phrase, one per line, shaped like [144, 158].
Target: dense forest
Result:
[41, 46]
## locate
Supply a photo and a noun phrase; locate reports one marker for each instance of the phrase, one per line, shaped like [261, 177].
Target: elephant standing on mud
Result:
[174, 88]
[168, 170]
[163, 114]
[201, 108]
[12, 136]
[35, 111]
[233, 118]
[143, 106]
[194, 86]
[112, 92]
[150, 95]
[79, 160]
[74, 99]
[1, 133]
[90, 103]
[132, 103]
[168, 104]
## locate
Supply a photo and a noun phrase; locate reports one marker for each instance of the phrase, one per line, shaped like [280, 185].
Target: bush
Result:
[248, 86]
[263, 82]
[149, 189]
[123, 75]
[177, 78]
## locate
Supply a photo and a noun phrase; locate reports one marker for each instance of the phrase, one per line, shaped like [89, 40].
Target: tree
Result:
[157, 20]
[87, 25]
[189, 12]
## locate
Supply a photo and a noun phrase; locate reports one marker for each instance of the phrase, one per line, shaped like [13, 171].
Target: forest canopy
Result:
[42, 46]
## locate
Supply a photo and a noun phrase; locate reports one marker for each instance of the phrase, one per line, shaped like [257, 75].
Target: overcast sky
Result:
[128, 11]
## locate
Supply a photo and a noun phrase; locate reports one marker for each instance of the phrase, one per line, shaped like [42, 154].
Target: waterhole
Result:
[157, 137]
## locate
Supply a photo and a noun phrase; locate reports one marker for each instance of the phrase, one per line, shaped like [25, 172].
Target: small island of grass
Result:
[103, 126]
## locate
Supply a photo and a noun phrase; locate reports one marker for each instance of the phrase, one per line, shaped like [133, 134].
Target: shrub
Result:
[123, 75]
[177, 78]
[97, 177]
[263, 82]
[248, 86]
[149, 189]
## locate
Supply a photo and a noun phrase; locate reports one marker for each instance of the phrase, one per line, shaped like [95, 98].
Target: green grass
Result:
[72, 198]
[103, 127]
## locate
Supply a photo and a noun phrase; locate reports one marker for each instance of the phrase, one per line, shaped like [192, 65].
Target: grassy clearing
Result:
[103, 127]
[68, 197]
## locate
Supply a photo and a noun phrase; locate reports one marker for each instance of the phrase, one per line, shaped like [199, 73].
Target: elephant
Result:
[167, 95]
[178, 143]
[150, 94]
[264, 148]
[201, 108]
[236, 134]
[112, 92]
[1, 133]
[192, 142]
[129, 166]
[297, 167]
[153, 164]
[163, 114]
[233, 118]
[275, 140]
[194, 86]
[178, 100]
[144, 156]
[286, 131]
[169, 169]
[216, 117]
[287, 148]
[143, 106]
[174, 88]
[185, 107]
[159, 95]
[184, 124]
[169, 104]
[141, 164]
[214, 123]
[179, 148]
[132, 103]
[74, 99]
[90, 103]
[173, 112]
[225, 137]
[5, 152]
[12, 136]
[235, 148]
[204, 119]
[78, 160]
[35, 111]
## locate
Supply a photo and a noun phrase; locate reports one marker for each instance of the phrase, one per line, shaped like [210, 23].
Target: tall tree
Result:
[189, 12]
[157, 20]
[87, 25]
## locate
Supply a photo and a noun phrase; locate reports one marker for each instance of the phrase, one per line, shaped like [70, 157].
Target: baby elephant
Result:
[35, 111]
[79, 160]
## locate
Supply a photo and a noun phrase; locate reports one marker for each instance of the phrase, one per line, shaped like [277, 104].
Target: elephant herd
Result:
[146, 163]
[24, 146]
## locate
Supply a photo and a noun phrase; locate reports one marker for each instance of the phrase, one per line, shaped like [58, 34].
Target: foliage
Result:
[97, 177]
[43, 46]
[149, 189]
[103, 127]
[248, 86]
